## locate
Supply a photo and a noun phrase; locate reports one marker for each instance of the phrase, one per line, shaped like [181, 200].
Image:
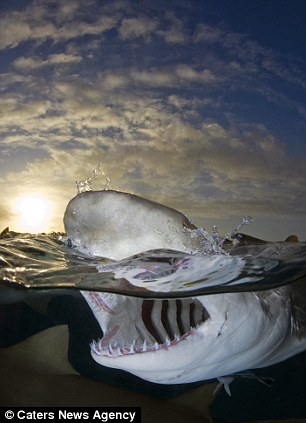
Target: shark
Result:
[177, 340]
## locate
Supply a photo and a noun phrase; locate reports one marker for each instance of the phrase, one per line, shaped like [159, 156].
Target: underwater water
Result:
[35, 264]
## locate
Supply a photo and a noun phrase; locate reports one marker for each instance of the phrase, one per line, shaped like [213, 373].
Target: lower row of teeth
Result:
[115, 350]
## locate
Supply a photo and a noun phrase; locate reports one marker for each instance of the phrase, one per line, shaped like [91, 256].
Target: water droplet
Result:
[97, 173]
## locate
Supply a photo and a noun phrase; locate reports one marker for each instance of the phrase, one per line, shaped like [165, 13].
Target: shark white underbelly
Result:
[172, 341]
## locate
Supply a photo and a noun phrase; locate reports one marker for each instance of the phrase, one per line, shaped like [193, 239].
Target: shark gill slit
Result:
[186, 315]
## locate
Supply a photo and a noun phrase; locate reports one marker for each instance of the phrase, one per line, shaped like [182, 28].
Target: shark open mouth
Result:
[144, 325]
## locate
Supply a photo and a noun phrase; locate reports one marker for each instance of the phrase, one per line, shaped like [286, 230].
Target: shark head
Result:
[116, 225]
[183, 340]
[172, 341]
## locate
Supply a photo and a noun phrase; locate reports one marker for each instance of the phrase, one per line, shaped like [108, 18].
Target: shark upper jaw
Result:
[187, 340]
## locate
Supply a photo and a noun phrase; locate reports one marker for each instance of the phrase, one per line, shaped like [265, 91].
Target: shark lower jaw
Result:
[153, 327]
[116, 350]
[169, 363]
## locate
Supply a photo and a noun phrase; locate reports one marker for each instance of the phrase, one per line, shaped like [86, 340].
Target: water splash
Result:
[212, 242]
[97, 173]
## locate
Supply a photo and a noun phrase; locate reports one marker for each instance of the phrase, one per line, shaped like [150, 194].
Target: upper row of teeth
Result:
[115, 350]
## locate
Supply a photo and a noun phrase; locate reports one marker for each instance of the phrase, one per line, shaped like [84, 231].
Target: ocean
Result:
[43, 279]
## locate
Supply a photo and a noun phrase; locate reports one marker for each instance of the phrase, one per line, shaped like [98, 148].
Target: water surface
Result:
[48, 261]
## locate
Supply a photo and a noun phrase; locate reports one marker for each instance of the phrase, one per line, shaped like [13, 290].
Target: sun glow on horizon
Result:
[34, 212]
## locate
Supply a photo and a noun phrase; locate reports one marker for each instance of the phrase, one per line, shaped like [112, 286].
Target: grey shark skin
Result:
[116, 225]
[184, 340]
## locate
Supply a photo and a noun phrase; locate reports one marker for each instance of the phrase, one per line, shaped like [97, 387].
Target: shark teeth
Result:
[147, 325]
[113, 350]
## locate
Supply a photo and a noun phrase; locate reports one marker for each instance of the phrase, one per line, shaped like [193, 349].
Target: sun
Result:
[33, 212]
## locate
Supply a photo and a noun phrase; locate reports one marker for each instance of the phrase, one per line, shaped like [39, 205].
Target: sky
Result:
[199, 105]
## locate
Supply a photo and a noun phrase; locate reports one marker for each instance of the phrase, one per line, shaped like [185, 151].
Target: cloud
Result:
[30, 63]
[58, 21]
[247, 55]
[208, 34]
[173, 31]
[141, 26]
[153, 138]
[208, 172]
[4, 214]
[172, 76]
[14, 111]
[187, 73]
[14, 30]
